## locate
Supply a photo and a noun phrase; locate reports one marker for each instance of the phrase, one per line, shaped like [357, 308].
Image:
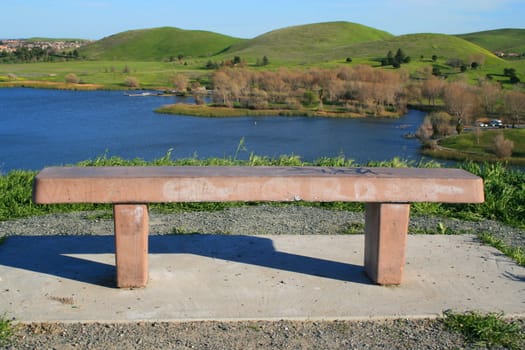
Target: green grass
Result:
[489, 330]
[158, 44]
[504, 189]
[507, 40]
[309, 43]
[426, 45]
[515, 253]
[6, 331]
[110, 74]
[471, 146]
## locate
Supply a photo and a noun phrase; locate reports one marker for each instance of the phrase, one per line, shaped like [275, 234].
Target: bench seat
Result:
[387, 193]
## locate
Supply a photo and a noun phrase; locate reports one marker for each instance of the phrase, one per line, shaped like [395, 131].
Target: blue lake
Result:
[53, 127]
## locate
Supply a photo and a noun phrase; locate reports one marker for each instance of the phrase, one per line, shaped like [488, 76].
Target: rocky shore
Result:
[284, 334]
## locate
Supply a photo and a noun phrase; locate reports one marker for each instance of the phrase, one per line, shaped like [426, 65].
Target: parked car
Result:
[496, 123]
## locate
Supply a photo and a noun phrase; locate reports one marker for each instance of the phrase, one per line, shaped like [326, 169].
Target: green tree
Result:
[400, 56]
[389, 58]
[310, 97]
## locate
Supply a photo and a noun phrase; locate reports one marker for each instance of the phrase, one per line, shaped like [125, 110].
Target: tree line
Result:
[37, 54]
[362, 89]
[359, 89]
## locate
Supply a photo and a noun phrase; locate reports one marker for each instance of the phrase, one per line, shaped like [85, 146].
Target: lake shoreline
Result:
[227, 112]
[60, 127]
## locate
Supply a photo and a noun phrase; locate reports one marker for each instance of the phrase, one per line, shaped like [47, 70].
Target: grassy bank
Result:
[108, 75]
[219, 112]
[504, 190]
[478, 146]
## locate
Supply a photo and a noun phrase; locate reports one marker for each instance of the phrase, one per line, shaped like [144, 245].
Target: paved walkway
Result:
[218, 277]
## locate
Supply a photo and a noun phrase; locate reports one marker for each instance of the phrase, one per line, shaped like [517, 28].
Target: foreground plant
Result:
[515, 253]
[6, 331]
[485, 330]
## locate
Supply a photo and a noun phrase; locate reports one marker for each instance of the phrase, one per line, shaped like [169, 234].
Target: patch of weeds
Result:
[3, 239]
[442, 229]
[439, 229]
[352, 228]
[485, 330]
[178, 231]
[254, 327]
[421, 231]
[182, 231]
[6, 331]
[100, 215]
[516, 254]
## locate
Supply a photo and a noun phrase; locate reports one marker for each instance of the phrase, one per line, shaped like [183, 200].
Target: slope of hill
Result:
[311, 43]
[158, 44]
[422, 45]
[307, 43]
[506, 40]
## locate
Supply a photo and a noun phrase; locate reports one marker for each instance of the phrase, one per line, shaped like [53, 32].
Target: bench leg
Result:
[386, 229]
[131, 244]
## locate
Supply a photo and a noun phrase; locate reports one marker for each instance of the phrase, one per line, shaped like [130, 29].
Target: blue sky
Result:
[95, 19]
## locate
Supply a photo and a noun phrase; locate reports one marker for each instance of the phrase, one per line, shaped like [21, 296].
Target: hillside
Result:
[418, 45]
[158, 44]
[307, 43]
[506, 40]
[304, 44]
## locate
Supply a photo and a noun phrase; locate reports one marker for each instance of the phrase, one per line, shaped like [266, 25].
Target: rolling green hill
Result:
[304, 44]
[506, 40]
[158, 44]
[307, 43]
[426, 45]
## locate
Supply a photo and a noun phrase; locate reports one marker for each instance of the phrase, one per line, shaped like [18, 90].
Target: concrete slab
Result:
[220, 277]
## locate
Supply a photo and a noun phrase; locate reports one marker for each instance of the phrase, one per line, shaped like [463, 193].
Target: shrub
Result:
[132, 82]
[441, 124]
[502, 147]
[72, 78]
[6, 331]
[199, 97]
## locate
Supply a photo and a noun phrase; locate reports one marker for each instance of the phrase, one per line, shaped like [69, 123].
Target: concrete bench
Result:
[386, 192]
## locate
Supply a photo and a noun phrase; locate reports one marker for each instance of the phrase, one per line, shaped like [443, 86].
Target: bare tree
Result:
[502, 147]
[442, 124]
[221, 88]
[180, 82]
[432, 88]
[515, 105]
[460, 101]
[490, 93]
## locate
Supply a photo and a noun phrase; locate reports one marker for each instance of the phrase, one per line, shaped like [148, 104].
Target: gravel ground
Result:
[379, 334]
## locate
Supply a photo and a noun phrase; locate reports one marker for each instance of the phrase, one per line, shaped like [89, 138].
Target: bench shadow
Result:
[54, 255]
